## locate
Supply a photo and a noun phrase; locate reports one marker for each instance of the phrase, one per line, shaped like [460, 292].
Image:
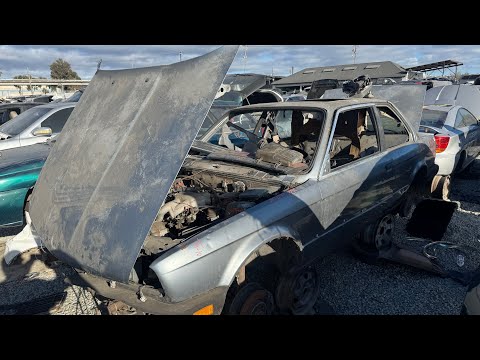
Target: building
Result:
[376, 70]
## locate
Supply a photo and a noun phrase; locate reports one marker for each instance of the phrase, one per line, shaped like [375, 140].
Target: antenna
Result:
[354, 53]
[245, 58]
[180, 55]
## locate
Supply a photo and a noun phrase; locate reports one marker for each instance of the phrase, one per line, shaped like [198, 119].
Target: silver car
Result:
[172, 225]
[35, 125]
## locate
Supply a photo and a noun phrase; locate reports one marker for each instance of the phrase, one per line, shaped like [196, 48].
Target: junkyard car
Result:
[35, 125]
[19, 169]
[238, 90]
[452, 113]
[307, 177]
[457, 134]
[11, 110]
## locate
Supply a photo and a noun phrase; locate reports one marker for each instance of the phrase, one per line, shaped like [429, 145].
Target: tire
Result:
[441, 187]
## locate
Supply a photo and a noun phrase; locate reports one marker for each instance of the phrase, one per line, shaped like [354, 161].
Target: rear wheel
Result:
[375, 237]
[441, 187]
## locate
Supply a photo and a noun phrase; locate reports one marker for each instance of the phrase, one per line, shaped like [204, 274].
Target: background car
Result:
[457, 134]
[19, 170]
[35, 125]
[11, 110]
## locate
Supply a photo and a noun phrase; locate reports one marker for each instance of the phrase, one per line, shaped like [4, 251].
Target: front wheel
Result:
[297, 290]
[252, 299]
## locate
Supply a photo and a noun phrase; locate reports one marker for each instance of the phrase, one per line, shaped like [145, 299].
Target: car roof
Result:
[443, 108]
[325, 104]
[58, 105]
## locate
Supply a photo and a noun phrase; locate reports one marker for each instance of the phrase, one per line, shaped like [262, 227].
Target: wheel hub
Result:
[260, 302]
[384, 233]
[298, 291]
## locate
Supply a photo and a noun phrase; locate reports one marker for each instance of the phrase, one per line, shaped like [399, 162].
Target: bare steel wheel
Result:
[384, 232]
[297, 291]
[252, 299]
[374, 237]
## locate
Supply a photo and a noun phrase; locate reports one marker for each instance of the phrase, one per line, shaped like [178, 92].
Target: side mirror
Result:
[42, 131]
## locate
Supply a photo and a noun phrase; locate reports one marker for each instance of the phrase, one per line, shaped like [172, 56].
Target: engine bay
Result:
[196, 200]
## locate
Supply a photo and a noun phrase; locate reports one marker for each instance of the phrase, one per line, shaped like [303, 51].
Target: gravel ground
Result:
[348, 285]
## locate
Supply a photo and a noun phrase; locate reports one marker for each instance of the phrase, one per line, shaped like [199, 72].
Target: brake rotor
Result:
[252, 299]
[260, 302]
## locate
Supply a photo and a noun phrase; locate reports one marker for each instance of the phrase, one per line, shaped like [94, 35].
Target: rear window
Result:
[433, 118]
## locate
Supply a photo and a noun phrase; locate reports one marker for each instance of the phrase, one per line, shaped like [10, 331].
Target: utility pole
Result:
[292, 71]
[180, 55]
[354, 53]
[245, 58]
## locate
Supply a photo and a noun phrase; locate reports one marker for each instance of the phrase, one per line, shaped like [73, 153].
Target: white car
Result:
[457, 134]
[35, 125]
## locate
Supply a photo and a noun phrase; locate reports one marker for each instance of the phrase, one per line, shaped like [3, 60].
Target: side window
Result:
[57, 120]
[394, 129]
[459, 120]
[355, 137]
[468, 118]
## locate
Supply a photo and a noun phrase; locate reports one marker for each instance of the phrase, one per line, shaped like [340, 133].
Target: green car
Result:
[19, 170]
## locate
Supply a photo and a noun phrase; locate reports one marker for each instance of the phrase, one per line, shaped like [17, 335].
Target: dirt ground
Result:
[348, 286]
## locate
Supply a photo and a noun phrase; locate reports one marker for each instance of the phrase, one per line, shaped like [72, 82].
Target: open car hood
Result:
[116, 158]
[408, 99]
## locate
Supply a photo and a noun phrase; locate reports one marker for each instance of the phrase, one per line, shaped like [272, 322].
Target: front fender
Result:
[213, 257]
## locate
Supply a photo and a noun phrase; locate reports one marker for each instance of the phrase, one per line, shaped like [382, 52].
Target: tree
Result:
[60, 69]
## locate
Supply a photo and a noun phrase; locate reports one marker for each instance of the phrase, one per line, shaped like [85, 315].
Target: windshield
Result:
[434, 118]
[23, 121]
[286, 137]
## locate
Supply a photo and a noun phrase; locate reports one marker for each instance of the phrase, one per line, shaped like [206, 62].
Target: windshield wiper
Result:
[248, 161]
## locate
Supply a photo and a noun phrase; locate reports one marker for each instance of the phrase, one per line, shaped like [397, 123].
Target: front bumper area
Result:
[154, 302]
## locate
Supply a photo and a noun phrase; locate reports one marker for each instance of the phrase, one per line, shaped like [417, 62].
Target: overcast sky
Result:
[20, 59]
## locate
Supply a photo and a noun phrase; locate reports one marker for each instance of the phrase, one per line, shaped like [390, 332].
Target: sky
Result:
[263, 59]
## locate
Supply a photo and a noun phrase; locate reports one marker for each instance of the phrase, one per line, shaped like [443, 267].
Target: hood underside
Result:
[408, 99]
[467, 96]
[116, 158]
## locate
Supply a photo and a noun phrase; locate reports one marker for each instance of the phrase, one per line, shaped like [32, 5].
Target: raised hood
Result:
[116, 158]
[408, 99]
[467, 96]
